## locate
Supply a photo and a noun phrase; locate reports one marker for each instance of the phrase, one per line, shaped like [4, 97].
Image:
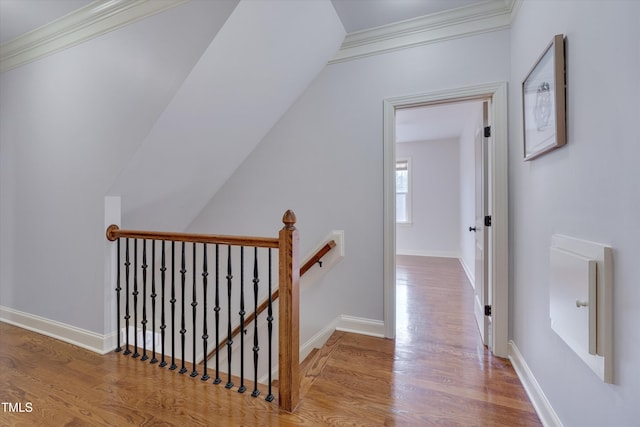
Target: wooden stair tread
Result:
[315, 364]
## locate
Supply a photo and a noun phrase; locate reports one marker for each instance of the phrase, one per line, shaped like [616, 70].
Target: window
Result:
[403, 191]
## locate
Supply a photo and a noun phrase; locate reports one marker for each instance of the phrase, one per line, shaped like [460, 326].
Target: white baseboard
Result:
[318, 340]
[358, 325]
[543, 408]
[88, 340]
[468, 272]
[344, 323]
[437, 254]
[103, 344]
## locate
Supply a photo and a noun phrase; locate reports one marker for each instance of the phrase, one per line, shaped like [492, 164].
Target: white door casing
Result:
[497, 156]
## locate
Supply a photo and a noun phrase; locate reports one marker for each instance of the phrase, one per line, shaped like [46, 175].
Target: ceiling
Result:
[21, 16]
[426, 123]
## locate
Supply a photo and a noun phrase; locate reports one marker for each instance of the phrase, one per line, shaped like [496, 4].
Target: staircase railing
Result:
[315, 258]
[172, 285]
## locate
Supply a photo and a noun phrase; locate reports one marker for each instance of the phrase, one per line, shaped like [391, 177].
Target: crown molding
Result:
[490, 15]
[515, 8]
[93, 20]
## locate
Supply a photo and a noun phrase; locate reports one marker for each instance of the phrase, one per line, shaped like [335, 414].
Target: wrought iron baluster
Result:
[118, 289]
[135, 298]
[270, 395]
[173, 306]
[183, 330]
[216, 310]
[242, 388]
[163, 326]
[205, 337]
[127, 316]
[229, 340]
[144, 301]
[194, 304]
[153, 301]
[256, 348]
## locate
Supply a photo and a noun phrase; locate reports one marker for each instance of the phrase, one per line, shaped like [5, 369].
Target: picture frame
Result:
[543, 102]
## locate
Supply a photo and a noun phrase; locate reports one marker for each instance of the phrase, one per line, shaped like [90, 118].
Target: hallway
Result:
[438, 340]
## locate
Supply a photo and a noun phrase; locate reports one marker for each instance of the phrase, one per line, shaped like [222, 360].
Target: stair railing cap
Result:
[289, 220]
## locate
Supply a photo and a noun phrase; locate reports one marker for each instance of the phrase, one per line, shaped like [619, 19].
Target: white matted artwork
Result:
[543, 102]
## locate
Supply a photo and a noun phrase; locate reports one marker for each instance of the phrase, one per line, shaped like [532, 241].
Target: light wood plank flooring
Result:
[435, 373]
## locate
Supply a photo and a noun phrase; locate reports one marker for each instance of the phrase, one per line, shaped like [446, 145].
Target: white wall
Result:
[244, 81]
[68, 124]
[467, 191]
[435, 185]
[324, 160]
[588, 189]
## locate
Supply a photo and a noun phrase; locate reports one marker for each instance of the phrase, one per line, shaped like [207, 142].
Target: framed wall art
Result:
[543, 102]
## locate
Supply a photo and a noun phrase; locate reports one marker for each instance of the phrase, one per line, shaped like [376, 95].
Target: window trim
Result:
[409, 192]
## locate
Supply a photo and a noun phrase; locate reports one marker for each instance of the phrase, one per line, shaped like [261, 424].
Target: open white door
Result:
[482, 254]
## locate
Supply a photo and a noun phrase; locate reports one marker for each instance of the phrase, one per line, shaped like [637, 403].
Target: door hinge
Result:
[487, 131]
[487, 221]
[487, 310]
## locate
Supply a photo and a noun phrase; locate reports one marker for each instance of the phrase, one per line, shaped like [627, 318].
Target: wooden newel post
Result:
[289, 315]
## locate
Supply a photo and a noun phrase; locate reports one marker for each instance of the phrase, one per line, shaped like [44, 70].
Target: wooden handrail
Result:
[250, 318]
[274, 296]
[114, 232]
[317, 256]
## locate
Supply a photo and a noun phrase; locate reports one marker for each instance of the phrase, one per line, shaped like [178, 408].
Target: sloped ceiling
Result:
[261, 60]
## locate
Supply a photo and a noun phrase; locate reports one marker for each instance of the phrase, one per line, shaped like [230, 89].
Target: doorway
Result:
[440, 192]
[498, 232]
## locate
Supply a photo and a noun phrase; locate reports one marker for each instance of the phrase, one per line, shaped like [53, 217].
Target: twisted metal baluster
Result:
[256, 348]
[242, 388]
[194, 304]
[183, 330]
[270, 396]
[173, 306]
[153, 301]
[118, 289]
[163, 326]
[216, 309]
[127, 316]
[144, 301]
[205, 337]
[135, 298]
[229, 340]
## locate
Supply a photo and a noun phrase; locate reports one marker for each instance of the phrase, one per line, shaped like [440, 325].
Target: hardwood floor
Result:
[435, 373]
